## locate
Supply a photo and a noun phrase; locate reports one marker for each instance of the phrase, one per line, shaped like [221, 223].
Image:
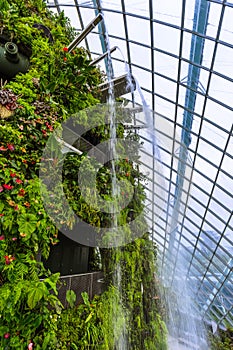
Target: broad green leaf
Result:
[71, 297]
[34, 296]
[27, 223]
[85, 298]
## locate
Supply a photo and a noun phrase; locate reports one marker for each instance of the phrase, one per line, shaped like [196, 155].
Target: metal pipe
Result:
[98, 59]
[85, 32]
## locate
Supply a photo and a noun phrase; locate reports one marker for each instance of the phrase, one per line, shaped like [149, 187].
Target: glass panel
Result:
[139, 30]
[227, 26]
[166, 38]
[168, 12]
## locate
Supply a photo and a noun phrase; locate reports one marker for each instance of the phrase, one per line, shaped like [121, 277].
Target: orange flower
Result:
[11, 202]
[22, 234]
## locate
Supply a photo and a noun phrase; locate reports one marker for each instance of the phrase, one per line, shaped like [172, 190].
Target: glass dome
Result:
[180, 53]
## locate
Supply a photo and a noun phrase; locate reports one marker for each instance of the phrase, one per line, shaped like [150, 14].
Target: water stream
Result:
[121, 342]
[185, 325]
[186, 329]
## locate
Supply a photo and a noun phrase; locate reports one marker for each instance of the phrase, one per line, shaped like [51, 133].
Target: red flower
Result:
[7, 335]
[19, 181]
[2, 148]
[10, 147]
[1, 189]
[13, 175]
[21, 192]
[44, 132]
[7, 187]
[9, 259]
[27, 204]
[65, 59]
[127, 174]
[2, 237]
[49, 126]
[1, 214]
[65, 49]
[16, 207]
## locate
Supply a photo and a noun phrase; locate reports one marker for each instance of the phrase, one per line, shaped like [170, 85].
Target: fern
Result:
[5, 292]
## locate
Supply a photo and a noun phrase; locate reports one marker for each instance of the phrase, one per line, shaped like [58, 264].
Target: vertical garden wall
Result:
[52, 85]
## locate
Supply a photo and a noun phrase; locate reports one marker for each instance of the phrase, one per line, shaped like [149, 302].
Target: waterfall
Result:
[121, 342]
[185, 325]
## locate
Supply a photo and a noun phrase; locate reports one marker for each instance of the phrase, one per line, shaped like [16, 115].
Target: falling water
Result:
[186, 328]
[185, 325]
[121, 342]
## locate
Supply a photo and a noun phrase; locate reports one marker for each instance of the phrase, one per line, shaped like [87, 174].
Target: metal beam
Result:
[196, 53]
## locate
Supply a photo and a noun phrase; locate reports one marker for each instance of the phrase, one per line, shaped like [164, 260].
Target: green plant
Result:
[38, 102]
[58, 84]
[222, 341]
[91, 325]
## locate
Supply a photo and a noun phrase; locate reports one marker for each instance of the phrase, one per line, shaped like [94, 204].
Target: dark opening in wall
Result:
[68, 257]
